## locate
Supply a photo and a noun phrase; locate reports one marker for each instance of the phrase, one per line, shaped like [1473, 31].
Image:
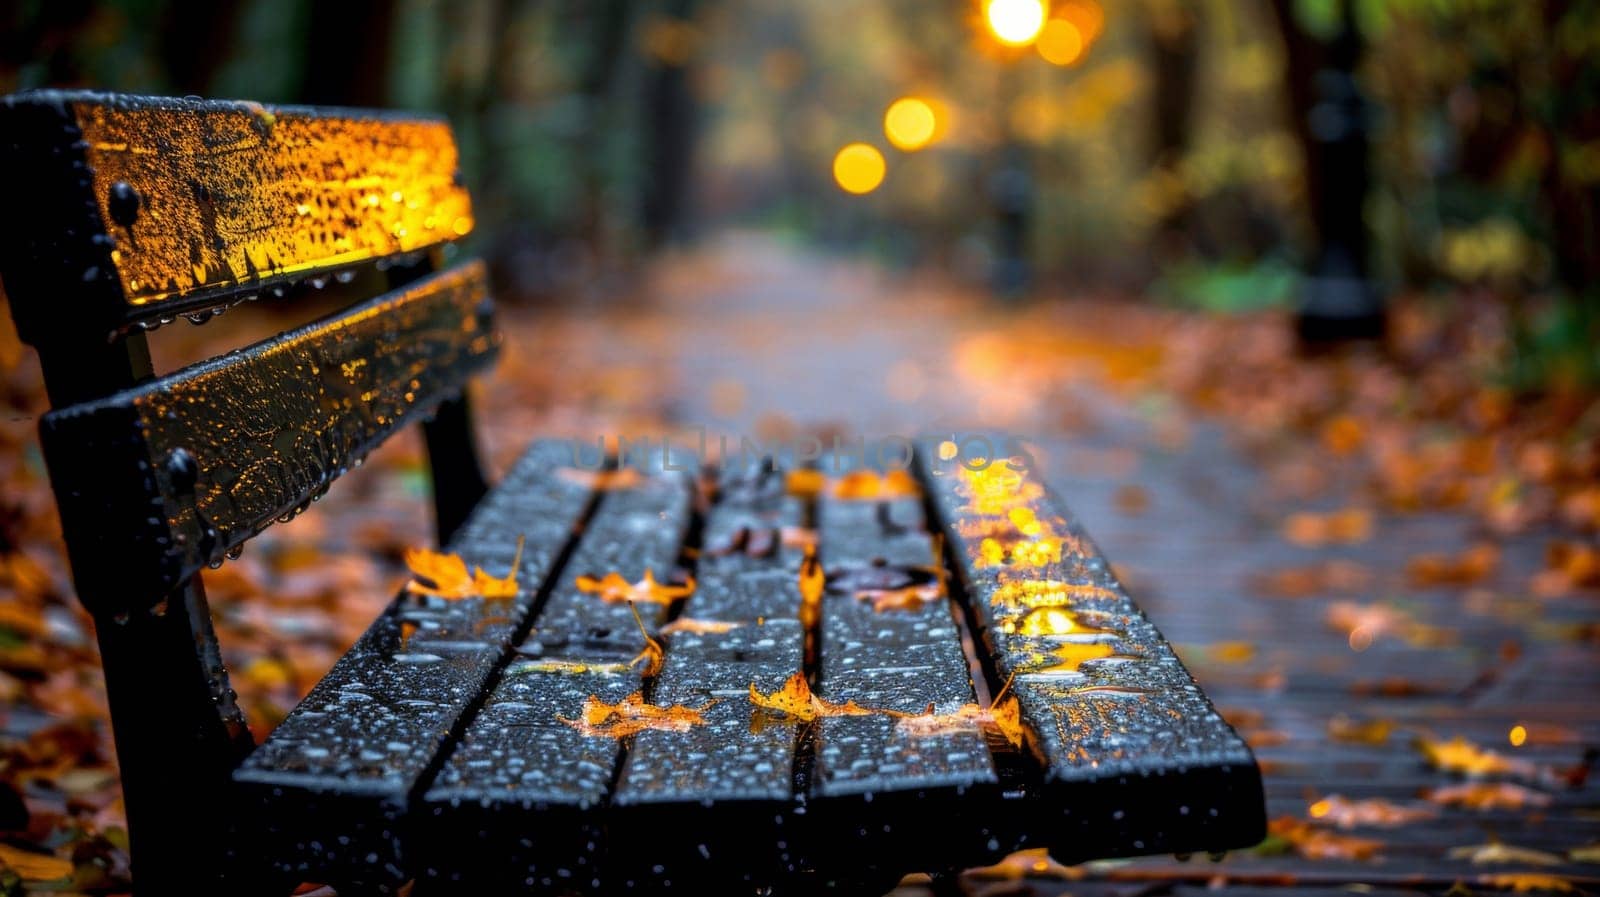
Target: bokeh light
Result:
[858, 168]
[1060, 43]
[910, 124]
[1086, 16]
[1015, 23]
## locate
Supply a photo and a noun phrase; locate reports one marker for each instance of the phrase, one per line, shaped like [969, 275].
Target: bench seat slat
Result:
[518, 755]
[909, 801]
[1134, 757]
[717, 801]
[232, 444]
[360, 744]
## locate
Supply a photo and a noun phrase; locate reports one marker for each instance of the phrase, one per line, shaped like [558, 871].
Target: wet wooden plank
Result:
[1134, 757]
[186, 468]
[328, 787]
[717, 803]
[905, 801]
[186, 204]
[518, 757]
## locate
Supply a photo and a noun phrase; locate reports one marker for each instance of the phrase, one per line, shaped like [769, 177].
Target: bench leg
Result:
[179, 735]
[458, 481]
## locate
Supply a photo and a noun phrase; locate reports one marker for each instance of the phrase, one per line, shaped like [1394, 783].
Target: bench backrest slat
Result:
[191, 465]
[151, 207]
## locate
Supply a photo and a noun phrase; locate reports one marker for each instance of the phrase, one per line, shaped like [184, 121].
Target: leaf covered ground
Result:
[1383, 566]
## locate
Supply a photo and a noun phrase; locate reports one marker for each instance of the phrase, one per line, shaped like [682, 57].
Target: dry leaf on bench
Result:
[615, 589]
[443, 575]
[796, 700]
[1315, 843]
[1343, 812]
[632, 715]
[1488, 796]
[1495, 852]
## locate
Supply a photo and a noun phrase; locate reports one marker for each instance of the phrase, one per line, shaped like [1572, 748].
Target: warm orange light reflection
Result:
[858, 168]
[1060, 43]
[910, 124]
[1070, 658]
[1015, 23]
[1048, 593]
[1053, 621]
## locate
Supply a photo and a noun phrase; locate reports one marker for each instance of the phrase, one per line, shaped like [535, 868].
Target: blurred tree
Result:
[1173, 37]
[1330, 117]
[669, 120]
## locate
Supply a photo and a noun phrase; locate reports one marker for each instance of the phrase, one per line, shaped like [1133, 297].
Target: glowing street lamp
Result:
[1060, 43]
[910, 124]
[1015, 23]
[858, 168]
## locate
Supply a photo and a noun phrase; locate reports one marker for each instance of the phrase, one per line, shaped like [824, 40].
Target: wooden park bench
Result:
[982, 682]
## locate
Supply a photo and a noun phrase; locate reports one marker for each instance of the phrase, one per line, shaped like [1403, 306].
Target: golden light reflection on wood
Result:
[234, 194]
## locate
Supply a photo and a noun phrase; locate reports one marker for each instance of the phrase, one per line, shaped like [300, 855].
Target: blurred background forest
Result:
[1206, 152]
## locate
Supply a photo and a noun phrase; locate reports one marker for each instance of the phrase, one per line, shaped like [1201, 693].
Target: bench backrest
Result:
[128, 212]
[140, 210]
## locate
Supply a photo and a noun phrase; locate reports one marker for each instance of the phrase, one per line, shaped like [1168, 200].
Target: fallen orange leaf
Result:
[1461, 756]
[805, 483]
[795, 699]
[615, 589]
[1528, 882]
[1488, 796]
[695, 625]
[1003, 716]
[632, 715]
[443, 575]
[1371, 731]
[1471, 566]
[1496, 852]
[870, 484]
[1315, 843]
[1343, 812]
[908, 598]
[1035, 863]
[1345, 527]
[1300, 582]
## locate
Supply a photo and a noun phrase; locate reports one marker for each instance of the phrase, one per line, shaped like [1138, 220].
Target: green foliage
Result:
[1558, 346]
[1230, 287]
